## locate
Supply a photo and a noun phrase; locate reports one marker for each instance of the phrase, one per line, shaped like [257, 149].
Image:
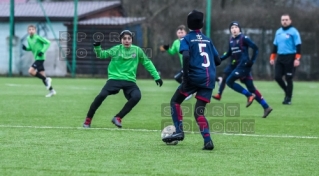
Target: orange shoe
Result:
[250, 100]
[217, 97]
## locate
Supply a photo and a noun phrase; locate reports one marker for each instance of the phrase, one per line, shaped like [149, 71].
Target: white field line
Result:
[146, 130]
[67, 87]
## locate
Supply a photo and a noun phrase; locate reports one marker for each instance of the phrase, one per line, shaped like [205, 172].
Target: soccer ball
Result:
[168, 131]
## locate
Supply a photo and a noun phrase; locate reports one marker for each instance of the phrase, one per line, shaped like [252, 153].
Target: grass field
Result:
[44, 136]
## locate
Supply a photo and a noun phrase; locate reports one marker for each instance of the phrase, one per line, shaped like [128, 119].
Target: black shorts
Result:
[38, 65]
[114, 86]
[285, 65]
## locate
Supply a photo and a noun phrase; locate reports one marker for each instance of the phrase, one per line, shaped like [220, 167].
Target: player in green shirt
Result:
[174, 49]
[38, 46]
[122, 69]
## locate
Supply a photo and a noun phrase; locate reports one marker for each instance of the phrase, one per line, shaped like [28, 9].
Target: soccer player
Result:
[122, 69]
[287, 44]
[38, 46]
[241, 67]
[174, 49]
[180, 33]
[222, 82]
[200, 58]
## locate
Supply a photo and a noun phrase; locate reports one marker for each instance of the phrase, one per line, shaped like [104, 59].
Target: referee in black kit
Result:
[287, 44]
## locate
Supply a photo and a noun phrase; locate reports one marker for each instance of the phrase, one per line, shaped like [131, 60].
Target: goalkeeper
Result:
[122, 69]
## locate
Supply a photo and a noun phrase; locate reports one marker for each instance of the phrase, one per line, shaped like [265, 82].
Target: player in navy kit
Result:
[236, 42]
[200, 59]
[241, 67]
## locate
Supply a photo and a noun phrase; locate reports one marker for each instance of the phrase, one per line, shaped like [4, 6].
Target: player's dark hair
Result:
[31, 26]
[181, 27]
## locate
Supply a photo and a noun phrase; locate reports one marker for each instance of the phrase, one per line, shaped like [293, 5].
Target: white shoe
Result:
[48, 82]
[189, 96]
[220, 81]
[52, 92]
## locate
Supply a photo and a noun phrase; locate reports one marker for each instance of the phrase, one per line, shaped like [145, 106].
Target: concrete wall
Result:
[22, 60]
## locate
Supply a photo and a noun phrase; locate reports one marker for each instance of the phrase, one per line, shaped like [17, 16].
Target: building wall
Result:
[22, 60]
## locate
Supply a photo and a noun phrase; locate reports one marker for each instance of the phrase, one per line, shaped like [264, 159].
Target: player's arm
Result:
[217, 59]
[174, 49]
[273, 54]
[253, 46]
[184, 50]
[26, 48]
[226, 54]
[102, 54]
[148, 64]
[46, 44]
[186, 60]
[297, 41]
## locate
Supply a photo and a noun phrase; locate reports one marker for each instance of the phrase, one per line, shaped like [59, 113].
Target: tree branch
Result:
[161, 10]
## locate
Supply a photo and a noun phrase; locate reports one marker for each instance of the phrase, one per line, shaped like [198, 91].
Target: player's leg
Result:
[248, 81]
[133, 94]
[176, 112]
[35, 70]
[111, 87]
[279, 73]
[218, 80]
[236, 74]
[289, 74]
[221, 87]
[178, 78]
[203, 97]
[47, 82]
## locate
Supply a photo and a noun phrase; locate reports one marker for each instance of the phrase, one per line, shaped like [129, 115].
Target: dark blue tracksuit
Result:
[238, 50]
[238, 69]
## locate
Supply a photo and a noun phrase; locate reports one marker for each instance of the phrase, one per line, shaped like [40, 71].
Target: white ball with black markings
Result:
[169, 130]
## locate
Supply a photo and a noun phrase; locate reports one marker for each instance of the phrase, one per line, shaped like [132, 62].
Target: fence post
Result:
[208, 12]
[11, 36]
[56, 38]
[75, 29]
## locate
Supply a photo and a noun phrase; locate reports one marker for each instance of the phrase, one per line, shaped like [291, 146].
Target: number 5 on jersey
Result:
[202, 53]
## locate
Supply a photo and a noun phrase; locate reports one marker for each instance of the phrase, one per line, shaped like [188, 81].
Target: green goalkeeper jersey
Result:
[37, 44]
[124, 62]
[175, 49]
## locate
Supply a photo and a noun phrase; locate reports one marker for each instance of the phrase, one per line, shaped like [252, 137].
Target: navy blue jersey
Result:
[202, 70]
[239, 50]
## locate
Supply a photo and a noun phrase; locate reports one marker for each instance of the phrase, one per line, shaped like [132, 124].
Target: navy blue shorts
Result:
[203, 94]
[241, 74]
